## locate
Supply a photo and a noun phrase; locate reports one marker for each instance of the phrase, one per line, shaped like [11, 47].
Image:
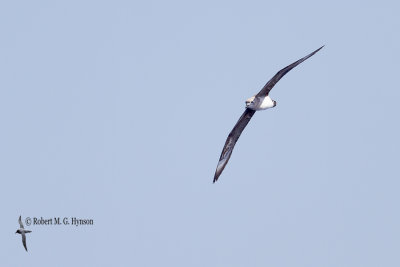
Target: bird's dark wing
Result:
[24, 240]
[271, 83]
[20, 223]
[231, 141]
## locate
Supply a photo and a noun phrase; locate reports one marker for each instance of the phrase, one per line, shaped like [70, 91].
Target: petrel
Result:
[259, 101]
[22, 232]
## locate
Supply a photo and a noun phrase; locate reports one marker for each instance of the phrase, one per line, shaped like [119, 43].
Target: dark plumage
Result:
[249, 112]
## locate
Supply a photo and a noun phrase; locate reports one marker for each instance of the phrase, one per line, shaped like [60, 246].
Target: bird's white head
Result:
[250, 103]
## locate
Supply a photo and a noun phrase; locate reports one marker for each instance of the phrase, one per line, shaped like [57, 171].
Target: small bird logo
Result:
[22, 232]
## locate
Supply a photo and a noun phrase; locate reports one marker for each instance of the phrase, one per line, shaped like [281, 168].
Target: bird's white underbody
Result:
[260, 103]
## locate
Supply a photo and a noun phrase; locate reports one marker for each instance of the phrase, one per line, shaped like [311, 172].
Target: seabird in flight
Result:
[22, 232]
[260, 101]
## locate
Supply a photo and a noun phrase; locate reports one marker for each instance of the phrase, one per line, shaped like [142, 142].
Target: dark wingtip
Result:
[319, 48]
[313, 53]
[308, 56]
[215, 179]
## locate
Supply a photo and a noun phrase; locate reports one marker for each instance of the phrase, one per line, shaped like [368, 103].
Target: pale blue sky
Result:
[117, 111]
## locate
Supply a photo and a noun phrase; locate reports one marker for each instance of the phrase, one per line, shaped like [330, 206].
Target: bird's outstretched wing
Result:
[231, 141]
[24, 240]
[271, 83]
[20, 223]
